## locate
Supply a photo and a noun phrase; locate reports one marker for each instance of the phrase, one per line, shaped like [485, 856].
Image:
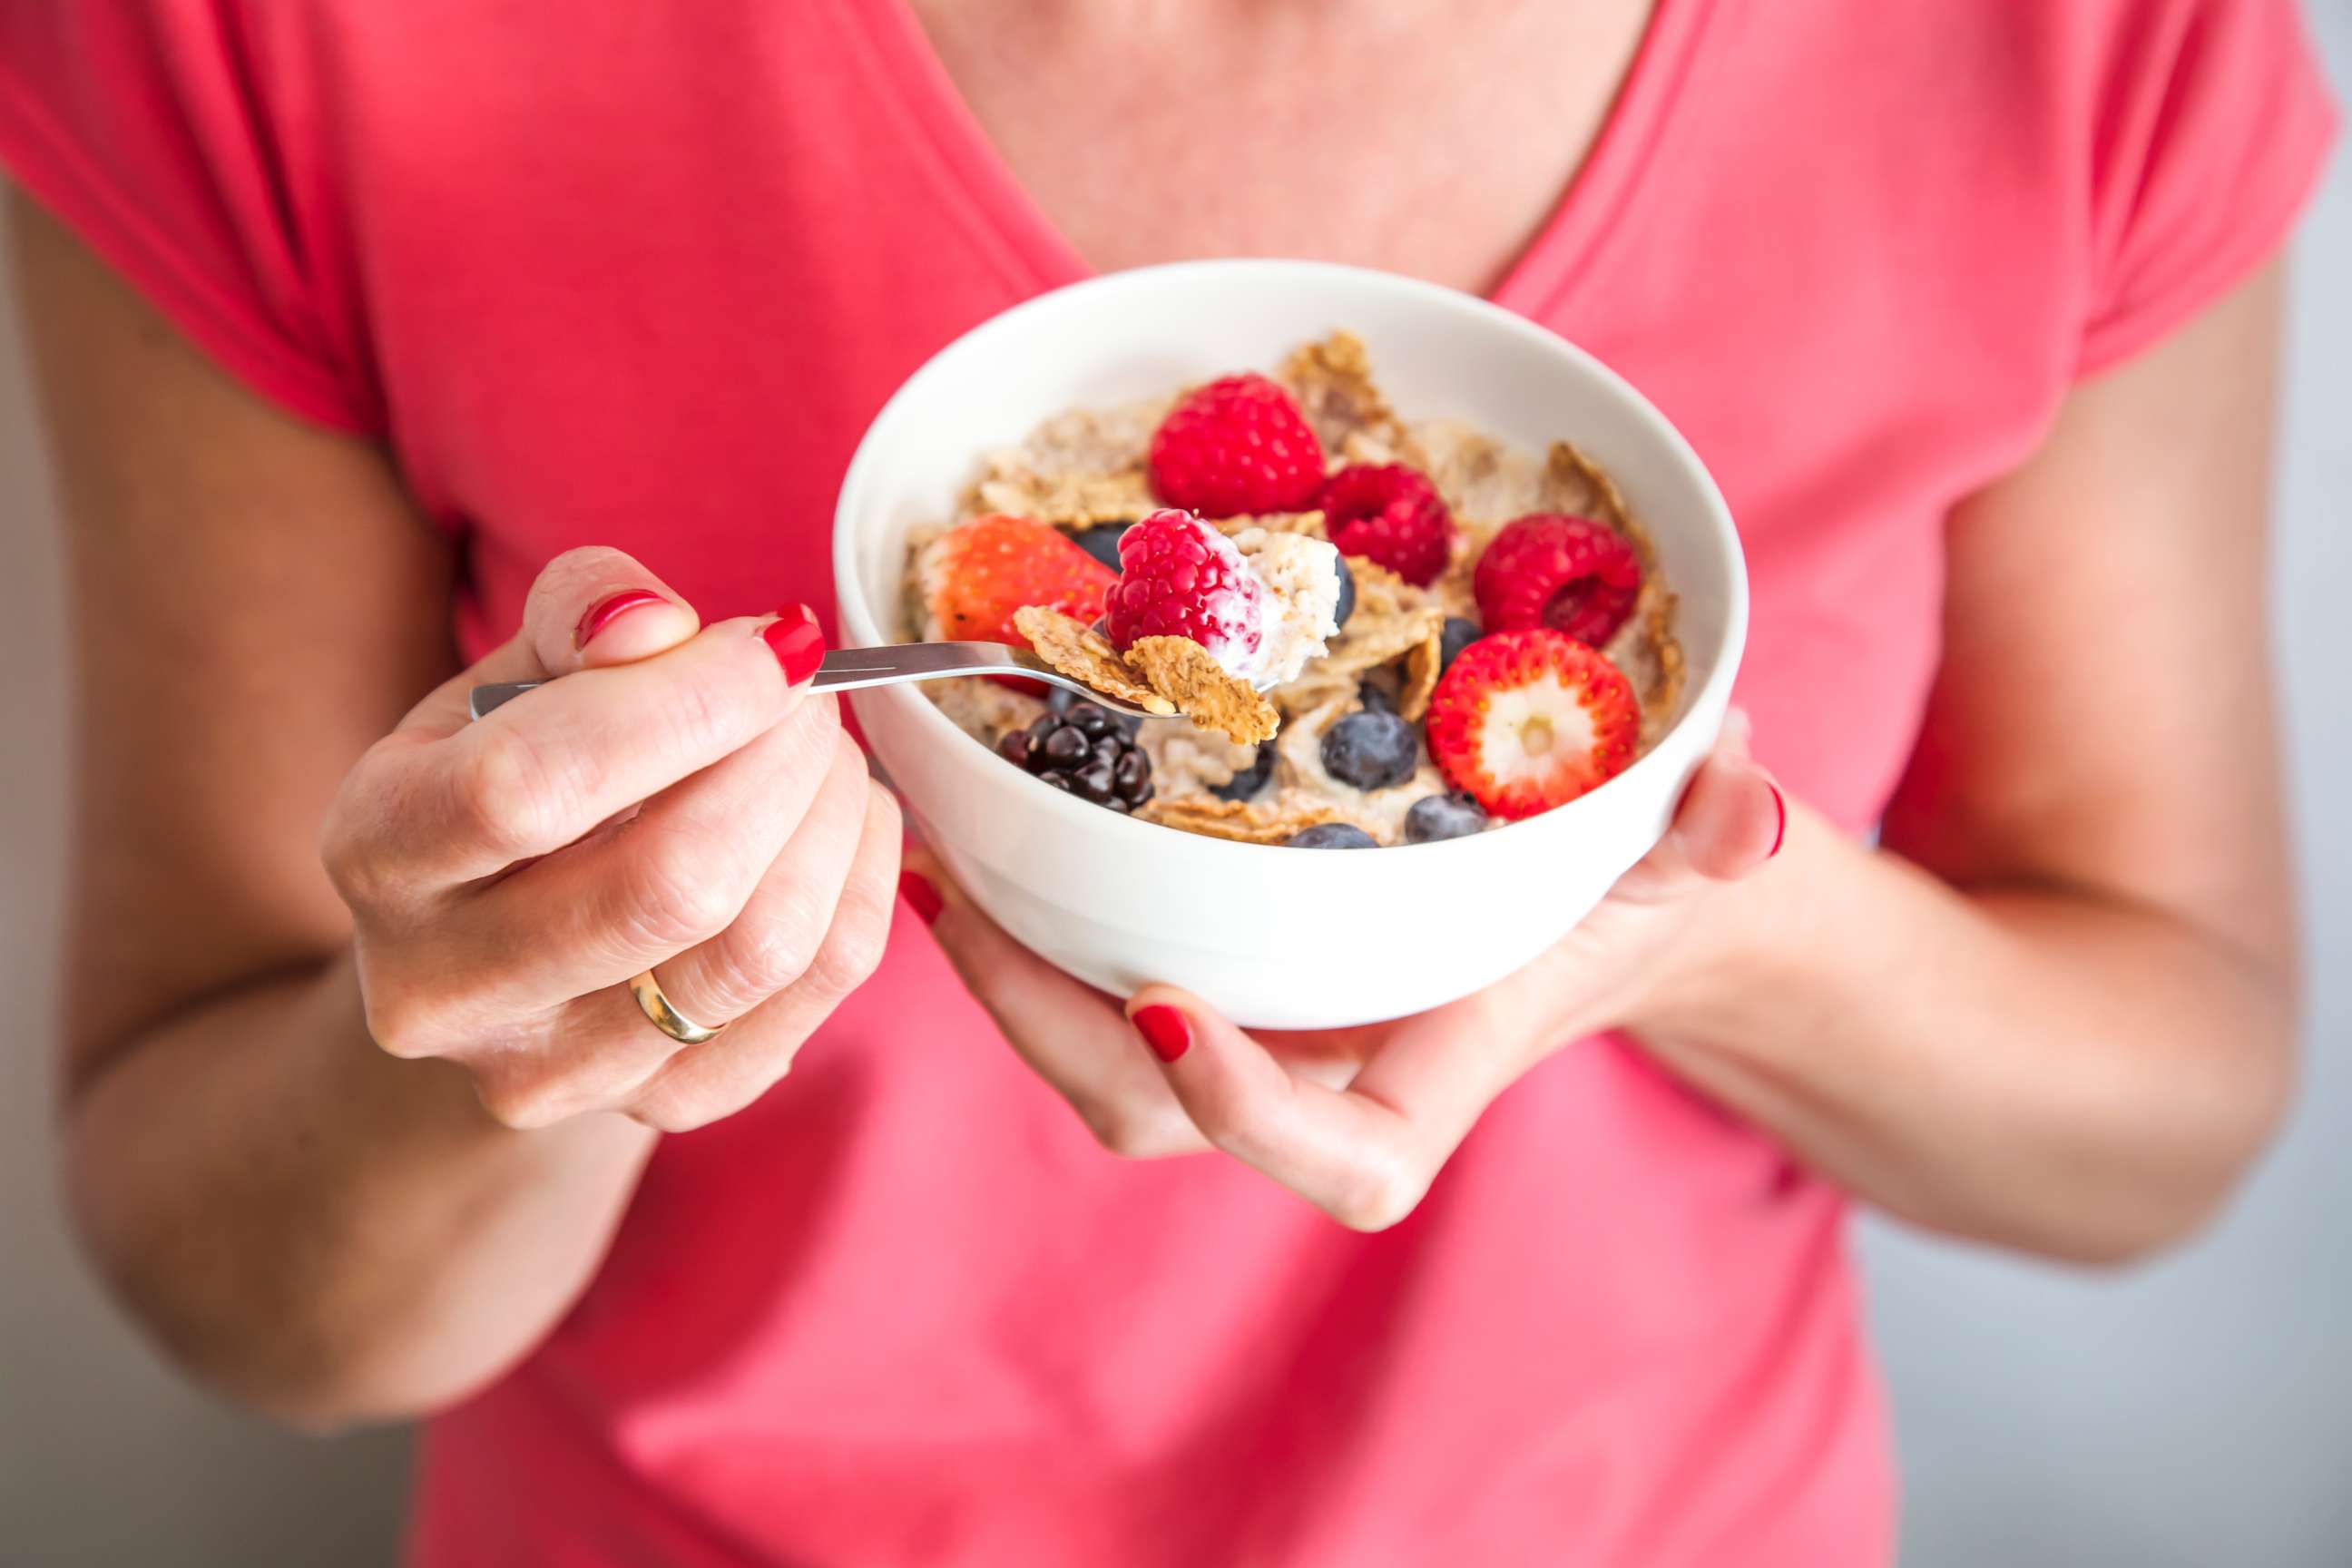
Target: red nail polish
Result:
[797, 641]
[605, 612]
[921, 896]
[1164, 1030]
[1780, 831]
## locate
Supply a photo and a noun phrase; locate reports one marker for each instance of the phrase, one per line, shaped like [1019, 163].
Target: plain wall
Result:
[2196, 1411]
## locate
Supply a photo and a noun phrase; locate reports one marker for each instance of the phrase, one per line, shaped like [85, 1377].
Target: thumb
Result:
[588, 608]
[596, 607]
[1732, 817]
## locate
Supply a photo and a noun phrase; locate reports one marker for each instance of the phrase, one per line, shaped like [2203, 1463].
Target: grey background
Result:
[2195, 1412]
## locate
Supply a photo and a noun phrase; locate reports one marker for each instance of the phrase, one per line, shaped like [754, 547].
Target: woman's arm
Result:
[254, 602]
[2052, 1013]
[2057, 1011]
[318, 1227]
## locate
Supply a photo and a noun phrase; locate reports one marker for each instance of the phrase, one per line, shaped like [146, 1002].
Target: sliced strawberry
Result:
[1525, 721]
[984, 570]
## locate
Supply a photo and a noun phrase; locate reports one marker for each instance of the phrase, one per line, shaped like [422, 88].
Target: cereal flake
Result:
[1079, 651]
[1181, 671]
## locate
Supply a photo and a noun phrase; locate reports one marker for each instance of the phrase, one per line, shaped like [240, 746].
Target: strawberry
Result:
[1525, 721]
[984, 570]
[1235, 447]
[1570, 573]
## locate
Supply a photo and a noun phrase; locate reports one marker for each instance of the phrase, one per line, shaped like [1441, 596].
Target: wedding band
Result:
[665, 1018]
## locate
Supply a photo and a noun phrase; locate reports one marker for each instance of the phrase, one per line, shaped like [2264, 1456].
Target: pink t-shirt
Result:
[640, 274]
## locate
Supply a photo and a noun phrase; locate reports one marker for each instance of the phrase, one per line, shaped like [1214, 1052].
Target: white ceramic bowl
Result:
[1275, 938]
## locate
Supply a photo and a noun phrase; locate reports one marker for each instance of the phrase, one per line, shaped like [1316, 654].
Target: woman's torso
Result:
[904, 1310]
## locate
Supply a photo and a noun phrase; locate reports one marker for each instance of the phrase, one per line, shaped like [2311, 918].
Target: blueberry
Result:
[1375, 698]
[1331, 835]
[1101, 542]
[1347, 593]
[1370, 750]
[1459, 634]
[1246, 783]
[1437, 817]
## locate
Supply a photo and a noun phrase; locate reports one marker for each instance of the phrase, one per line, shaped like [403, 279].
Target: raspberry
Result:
[987, 568]
[1180, 578]
[1570, 573]
[1526, 720]
[1237, 447]
[1391, 516]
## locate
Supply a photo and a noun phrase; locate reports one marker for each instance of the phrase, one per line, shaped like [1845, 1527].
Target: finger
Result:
[546, 768]
[1071, 1035]
[1731, 819]
[673, 876]
[720, 1076]
[1364, 1154]
[596, 607]
[774, 937]
[600, 1050]
[588, 607]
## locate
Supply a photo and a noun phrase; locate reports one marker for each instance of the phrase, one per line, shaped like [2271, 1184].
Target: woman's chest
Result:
[1429, 139]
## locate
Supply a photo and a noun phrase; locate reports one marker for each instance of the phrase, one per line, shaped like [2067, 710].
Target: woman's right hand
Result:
[677, 800]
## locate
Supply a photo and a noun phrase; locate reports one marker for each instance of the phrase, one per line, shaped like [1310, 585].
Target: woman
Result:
[355, 323]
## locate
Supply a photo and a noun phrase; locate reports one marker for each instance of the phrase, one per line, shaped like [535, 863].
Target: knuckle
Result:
[854, 948]
[402, 1026]
[702, 710]
[406, 1020]
[778, 950]
[680, 892]
[1133, 1133]
[525, 1104]
[353, 838]
[510, 794]
[1376, 1196]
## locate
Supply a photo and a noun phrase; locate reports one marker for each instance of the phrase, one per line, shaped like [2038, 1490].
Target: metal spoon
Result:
[847, 669]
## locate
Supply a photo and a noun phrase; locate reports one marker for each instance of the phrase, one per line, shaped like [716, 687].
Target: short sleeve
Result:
[2212, 129]
[159, 132]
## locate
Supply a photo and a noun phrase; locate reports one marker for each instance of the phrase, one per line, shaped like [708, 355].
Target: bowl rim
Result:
[860, 630]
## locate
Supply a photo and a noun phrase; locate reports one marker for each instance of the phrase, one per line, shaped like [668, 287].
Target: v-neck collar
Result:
[1026, 246]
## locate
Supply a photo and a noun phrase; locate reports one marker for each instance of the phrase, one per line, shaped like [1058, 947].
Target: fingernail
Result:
[605, 612]
[1780, 830]
[1163, 1028]
[921, 896]
[797, 641]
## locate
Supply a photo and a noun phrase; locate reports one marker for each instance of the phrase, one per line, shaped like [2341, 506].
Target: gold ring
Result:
[665, 1018]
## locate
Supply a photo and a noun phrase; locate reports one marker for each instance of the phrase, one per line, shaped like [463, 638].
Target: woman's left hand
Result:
[1359, 1121]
